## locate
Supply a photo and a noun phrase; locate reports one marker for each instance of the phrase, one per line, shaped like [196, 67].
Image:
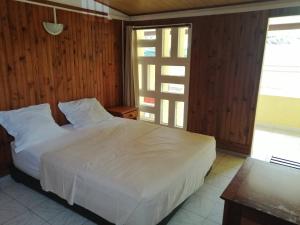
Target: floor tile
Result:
[220, 156]
[209, 191]
[216, 214]
[11, 209]
[6, 181]
[48, 209]
[232, 161]
[271, 141]
[24, 195]
[68, 218]
[28, 218]
[217, 181]
[187, 218]
[225, 170]
[209, 222]
[88, 222]
[201, 206]
[4, 198]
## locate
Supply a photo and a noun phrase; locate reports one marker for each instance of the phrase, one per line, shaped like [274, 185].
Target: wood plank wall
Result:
[226, 60]
[35, 67]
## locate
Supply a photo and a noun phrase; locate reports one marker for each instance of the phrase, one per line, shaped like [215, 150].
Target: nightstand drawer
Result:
[131, 115]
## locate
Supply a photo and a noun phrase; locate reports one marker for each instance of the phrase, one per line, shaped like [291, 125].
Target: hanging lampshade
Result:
[53, 28]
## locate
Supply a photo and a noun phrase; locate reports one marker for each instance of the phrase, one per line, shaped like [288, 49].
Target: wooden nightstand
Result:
[124, 112]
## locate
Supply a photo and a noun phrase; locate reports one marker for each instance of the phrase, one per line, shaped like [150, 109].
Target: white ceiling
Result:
[77, 3]
[93, 5]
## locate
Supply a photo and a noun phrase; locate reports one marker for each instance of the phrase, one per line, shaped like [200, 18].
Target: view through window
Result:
[281, 70]
[163, 75]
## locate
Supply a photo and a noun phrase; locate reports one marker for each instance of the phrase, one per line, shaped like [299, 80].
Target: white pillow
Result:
[84, 112]
[30, 125]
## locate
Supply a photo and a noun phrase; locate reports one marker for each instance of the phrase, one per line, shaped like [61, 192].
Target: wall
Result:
[277, 111]
[226, 60]
[35, 67]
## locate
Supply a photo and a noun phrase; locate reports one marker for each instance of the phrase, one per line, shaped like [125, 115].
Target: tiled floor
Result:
[268, 142]
[20, 205]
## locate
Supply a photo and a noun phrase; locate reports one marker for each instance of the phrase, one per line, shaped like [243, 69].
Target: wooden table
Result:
[124, 112]
[263, 193]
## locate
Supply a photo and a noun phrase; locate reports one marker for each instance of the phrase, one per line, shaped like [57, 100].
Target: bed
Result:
[128, 172]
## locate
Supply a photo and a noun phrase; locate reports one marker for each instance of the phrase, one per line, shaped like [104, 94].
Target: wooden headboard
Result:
[35, 67]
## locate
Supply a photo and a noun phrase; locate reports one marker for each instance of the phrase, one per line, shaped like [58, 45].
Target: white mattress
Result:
[29, 160]
[128, 172]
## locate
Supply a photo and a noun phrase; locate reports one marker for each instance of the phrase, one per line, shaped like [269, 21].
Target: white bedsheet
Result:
[128, 172]
[29, 160]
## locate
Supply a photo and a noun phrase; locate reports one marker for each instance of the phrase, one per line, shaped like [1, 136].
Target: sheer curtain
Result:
[130, 88]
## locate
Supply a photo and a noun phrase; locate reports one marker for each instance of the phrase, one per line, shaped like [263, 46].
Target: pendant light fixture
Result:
[53, 28]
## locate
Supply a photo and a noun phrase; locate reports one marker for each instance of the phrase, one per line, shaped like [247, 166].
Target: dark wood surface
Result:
[263, 193]
[35, 67]
[141, 7]
[124, 112]
[226, 61]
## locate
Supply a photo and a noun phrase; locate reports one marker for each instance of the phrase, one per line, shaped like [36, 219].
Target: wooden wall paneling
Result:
[5, 72]
[237, 74]
[37, 67]
[255, 80]
[200, 39]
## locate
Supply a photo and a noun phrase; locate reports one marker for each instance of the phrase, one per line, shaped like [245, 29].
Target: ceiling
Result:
[139, 7]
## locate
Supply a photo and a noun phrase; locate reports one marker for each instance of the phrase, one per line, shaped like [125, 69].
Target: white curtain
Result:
[130, 87]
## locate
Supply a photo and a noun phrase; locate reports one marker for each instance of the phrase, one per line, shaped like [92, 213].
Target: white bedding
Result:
[128, 172]
[29, 160]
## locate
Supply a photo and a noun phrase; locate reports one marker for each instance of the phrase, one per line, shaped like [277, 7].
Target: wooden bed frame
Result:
[34, 184]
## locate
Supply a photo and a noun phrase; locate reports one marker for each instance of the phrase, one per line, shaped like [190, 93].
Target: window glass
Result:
[183, 41]
[146, 51]
[177, 71]
[151, 78]
[146, 101]
[148, 34]
[172, 88]
[150, 117]
[179, 114]
[140, 74]
[166, 42]
[164, 112]
[281, 69]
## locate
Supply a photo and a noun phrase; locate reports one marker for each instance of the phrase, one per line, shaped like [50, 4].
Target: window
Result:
[166, 42]
[177, 71]
[140, 74]
[146, 52]
[149, 34]
[151, 78]
[281, 70]
[163, 75]
[150, 117]
[164, 112]
[146, 101]
[172, 88]
[179, 112]
[183, 42]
